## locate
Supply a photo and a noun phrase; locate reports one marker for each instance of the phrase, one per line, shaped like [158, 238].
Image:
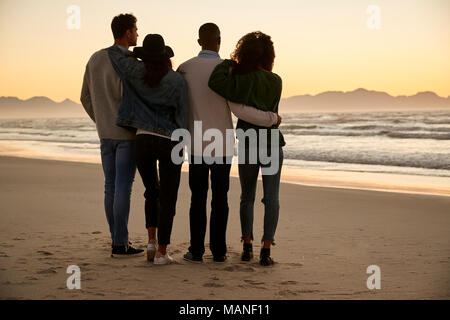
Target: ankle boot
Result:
[247, 252]
[264, 257]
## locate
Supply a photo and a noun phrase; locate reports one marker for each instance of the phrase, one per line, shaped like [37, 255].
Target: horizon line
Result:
[297, 95]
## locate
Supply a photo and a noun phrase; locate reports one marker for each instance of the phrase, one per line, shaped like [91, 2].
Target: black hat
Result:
[153, 49]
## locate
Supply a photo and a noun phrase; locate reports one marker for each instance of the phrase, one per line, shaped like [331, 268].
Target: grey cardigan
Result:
[101, 96]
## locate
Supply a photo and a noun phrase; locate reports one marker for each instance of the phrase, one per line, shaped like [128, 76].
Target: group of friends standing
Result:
[137, 101]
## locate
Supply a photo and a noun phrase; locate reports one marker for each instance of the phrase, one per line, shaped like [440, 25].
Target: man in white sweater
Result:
[101, 96]
[214, 113]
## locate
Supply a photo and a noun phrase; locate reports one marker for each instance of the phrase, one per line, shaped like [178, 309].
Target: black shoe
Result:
[247, 253]
[220, 258]
[112, 244]
[264, 257]
[191, 258]
[125, 252]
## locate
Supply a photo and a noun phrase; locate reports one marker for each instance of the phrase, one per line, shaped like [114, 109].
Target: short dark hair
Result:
[209, 33]
[253, 50]
[121, 23]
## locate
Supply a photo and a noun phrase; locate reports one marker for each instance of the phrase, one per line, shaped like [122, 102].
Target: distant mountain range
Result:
[329, 101]
[362, 100]
[39, 107]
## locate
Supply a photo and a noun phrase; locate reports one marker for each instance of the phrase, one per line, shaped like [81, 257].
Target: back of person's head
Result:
[121, 24]
[253, 51]
[156, 57]
[156, 70]
[209, 35]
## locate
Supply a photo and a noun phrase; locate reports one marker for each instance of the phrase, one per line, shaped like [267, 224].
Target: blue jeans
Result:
[119, 167]
[248, 176]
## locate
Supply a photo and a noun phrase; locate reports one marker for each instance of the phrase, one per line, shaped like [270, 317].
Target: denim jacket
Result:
[161, 109]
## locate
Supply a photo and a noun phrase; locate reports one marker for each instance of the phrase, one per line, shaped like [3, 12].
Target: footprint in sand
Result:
[285, 283]
[47, 271]
[309, 291]
[286, 293]
[96, 232]
[311, 283]
[255, 283]
[293, 264]
[213, 285]
[45, 253]
[16, 283]
[239, 268]
[3, 255]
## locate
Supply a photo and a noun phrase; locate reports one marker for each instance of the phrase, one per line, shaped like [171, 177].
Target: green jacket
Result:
[259, 89]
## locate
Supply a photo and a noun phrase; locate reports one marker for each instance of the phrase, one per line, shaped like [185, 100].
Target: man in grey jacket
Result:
[101, 96]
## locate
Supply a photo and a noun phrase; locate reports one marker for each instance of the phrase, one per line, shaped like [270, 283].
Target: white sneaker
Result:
[166, 259]
[151, 251]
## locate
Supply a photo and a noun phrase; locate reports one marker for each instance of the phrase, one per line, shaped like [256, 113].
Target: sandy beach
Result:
[52, 216]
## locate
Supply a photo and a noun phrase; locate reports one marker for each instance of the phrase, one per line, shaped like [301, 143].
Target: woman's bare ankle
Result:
[162, 249]
[151, 234]
[267, 244]
[247, 240]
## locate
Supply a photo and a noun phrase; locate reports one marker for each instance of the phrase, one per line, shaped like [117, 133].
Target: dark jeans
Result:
[198, 183]
[160, 192]
[248, 176]
[119, 168]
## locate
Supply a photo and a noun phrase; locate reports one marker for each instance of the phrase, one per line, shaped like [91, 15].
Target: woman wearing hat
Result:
[154, 103]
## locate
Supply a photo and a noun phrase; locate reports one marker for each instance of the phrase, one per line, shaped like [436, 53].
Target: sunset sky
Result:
[320, 45]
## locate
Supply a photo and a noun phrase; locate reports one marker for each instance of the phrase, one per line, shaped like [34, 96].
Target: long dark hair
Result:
[253, 51]
[156, 70]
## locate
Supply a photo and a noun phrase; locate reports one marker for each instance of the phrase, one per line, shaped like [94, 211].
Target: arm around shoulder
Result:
[126, 66]
[253, 115]
[221, 81]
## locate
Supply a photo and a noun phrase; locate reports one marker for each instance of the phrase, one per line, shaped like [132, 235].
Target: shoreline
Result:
[353, 180]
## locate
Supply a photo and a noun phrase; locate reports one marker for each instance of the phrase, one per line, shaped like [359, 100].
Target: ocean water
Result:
[413, 142]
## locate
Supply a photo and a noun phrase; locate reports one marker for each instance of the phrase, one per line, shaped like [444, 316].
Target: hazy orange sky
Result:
[320, 45]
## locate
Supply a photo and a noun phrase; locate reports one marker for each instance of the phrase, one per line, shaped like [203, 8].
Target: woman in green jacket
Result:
[248, 79]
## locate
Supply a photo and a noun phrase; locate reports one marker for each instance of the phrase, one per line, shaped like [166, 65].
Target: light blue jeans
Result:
[119, 167]
[248, 176]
